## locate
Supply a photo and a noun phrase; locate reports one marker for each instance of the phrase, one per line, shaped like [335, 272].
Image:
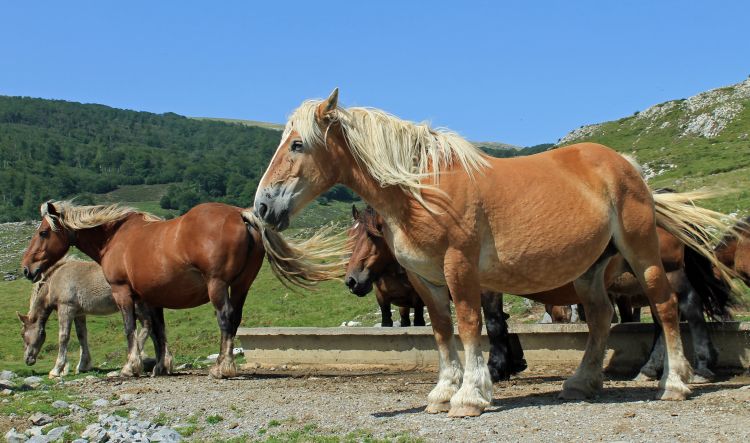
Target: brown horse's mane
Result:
[369, 221]
[75, 217]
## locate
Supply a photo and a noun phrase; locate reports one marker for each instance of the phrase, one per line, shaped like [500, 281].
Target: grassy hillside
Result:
[702, 141]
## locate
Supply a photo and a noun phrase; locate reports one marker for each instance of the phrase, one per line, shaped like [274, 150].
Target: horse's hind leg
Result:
[587, 380]
[704, 353]
[65, 319]
[386, 317]
[84, 362]
[640, 249]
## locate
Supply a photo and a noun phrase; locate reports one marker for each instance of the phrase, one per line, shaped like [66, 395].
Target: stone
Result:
[60, 404]
[6, 392]
[7, 375]
[38, 439]
[33, 381]
[100, 403]
[212, 357]
[77, 408]
[113, 374]
[40, 419]
[34, 430]
[14, 436]
[165, 434]
[57, 433]
[127, 397]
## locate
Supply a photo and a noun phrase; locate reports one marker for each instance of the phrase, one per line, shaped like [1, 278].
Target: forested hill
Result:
[58, 149]
[54, 149]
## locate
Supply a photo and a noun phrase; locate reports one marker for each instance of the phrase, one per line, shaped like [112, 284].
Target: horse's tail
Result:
[321, 257]
[715, 293]
[698, 228]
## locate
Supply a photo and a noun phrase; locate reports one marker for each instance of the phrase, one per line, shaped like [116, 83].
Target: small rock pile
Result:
[113, 428]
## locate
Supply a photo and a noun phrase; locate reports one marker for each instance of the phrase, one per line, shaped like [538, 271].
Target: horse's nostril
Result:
[26, 271]
[262, 210]
[350, 282]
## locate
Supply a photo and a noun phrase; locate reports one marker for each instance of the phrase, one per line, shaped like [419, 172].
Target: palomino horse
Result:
[371, 255]
[74, 289]
[461, 220]
[212, 251]
[372, 264]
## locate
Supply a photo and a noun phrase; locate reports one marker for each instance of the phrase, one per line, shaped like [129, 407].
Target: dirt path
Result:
[524, 409]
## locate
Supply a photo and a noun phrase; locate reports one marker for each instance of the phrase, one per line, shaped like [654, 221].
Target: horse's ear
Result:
[355, 212]
[48, 209]
[328, 105]
[24, 318]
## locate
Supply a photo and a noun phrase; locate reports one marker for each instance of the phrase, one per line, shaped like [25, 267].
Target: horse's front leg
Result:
[437, 300]
[84, 362]
[462, 277]
[124, 299]
[501, 359]
[386, 317]
[229, 316]
[64, 318]
[159, 336]
[704, 352]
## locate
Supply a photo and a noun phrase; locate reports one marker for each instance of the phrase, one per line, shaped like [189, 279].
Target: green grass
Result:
[214, 419]
[310, 434]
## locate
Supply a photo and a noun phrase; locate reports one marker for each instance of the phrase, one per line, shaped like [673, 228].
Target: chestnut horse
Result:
[734, 250]
[371, 255]
[212, 253]
[461, 220]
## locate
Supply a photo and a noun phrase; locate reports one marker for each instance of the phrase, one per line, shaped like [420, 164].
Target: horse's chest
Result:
[414, 258]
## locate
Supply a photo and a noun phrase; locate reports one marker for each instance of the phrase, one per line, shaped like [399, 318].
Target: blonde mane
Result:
[76, 217]
[395, 152]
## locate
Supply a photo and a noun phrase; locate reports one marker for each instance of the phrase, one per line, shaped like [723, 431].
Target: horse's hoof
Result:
[701, 378]
[53, 375]
[573, 394]
[223, 371]
[642, 376]
[437, 408]
[465, 411]
[671, 395]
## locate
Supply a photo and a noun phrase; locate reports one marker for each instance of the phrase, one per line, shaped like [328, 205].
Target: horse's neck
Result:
[94, 241]
[42, 307]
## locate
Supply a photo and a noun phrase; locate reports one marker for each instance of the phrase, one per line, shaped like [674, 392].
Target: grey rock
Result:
[6, 391]
[60, 404]
[127, 397]
[113, 374]
[7, 375]
[80, 440]
[100, 403]
[34, 430]
[40, 419]
[14, 436]
[57, 433]
[77, 408]
[165, 434]
[33, 381]
[39, 439]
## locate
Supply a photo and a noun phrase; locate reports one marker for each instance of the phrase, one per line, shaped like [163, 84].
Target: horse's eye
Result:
[44, 234]
[296, 146]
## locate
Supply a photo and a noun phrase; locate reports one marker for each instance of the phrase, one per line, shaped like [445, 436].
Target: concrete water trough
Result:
[356, 348]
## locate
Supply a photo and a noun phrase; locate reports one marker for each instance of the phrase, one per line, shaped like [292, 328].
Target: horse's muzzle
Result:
[30, 360]
[272, 208]
[358, 288]
[32, 275]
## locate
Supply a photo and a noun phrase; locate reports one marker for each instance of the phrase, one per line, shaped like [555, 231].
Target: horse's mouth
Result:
[33, 276]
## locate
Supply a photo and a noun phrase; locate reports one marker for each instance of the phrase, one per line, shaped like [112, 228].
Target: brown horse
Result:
[212, 251]
[461, 220]
[372, 264]
[370, 255]
[734, 250]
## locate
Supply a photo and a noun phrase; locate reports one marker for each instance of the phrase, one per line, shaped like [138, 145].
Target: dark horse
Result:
[212, 251]
[373, 264]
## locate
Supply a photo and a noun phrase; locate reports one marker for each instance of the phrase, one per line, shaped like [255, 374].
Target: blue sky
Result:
[521, 72]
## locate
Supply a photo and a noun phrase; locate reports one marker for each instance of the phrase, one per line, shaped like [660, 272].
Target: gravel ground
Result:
[525, 409]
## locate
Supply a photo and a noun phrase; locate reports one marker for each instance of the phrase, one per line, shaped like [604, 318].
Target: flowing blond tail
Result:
[697, 227]
[321, 257]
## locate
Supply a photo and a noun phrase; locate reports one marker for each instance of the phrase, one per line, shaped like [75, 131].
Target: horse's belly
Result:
[181, 291]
